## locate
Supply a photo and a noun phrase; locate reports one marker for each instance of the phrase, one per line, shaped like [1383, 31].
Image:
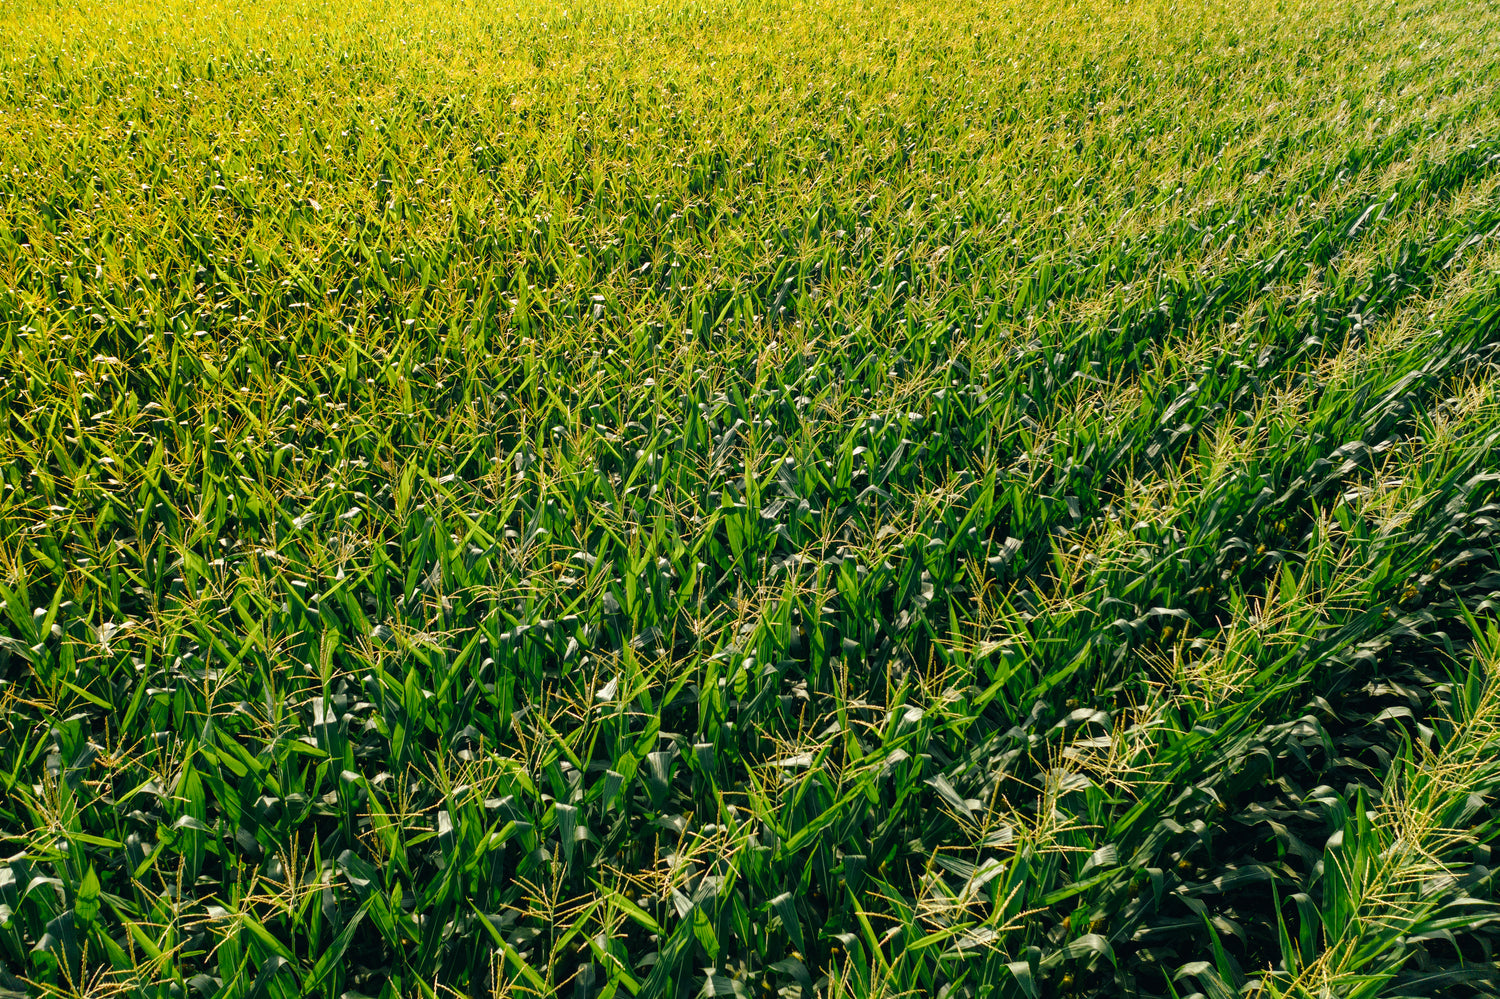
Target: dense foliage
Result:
[826, 497]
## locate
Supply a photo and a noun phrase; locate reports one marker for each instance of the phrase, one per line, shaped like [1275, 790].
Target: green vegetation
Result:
[822, 497]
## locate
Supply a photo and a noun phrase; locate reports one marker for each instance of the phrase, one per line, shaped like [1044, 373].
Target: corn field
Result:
[804, 499]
